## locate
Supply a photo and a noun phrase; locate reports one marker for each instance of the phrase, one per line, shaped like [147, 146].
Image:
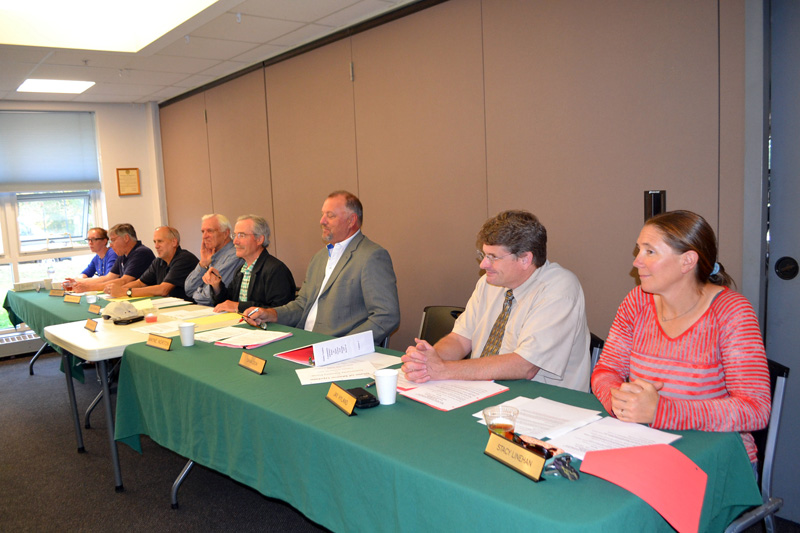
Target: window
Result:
[44, 236]
[53, 221]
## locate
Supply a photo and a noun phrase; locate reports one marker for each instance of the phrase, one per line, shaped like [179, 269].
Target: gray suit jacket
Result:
[361, 294]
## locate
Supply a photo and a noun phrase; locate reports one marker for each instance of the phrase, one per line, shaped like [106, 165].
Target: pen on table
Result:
[370, 384]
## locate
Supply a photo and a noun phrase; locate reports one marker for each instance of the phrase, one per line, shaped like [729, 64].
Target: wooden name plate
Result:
[91, 325]
[72, 299]
[526, 462]
[157, 341]
[342, 399]
[94, 308]
[57, 292]
[252, 363]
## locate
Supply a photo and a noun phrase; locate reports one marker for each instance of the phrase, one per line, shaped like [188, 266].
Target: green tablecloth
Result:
[39, 310]
[402, 467]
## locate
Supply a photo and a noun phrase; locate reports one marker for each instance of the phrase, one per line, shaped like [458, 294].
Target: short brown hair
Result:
[352, 203]
[519, 231]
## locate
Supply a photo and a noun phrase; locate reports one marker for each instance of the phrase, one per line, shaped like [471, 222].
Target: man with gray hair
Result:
[216, 251]
[526, 318]
[166, 274]
[262, 281]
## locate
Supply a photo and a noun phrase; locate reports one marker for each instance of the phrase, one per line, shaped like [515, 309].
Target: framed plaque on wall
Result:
[128, 182]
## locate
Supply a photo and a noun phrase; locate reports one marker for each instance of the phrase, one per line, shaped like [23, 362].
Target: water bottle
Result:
[51, 270]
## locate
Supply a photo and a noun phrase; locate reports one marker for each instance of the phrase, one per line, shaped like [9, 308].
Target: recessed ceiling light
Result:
[95, 24]
[54, 86]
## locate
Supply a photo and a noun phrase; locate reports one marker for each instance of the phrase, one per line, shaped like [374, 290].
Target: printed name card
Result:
[91, 325]
[341, 398]
[72, 299]
[57, 292]
[157, 341]
[335, 350]
[253, 363]
[527, 462]
[94, 308]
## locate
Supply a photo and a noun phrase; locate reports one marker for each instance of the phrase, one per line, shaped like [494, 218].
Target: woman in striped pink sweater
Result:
[684, 351]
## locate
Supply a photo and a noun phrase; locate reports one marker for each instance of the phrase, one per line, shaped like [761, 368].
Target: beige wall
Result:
[569, 109]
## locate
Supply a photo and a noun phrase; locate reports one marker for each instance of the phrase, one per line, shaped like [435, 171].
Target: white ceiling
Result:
[225, 38]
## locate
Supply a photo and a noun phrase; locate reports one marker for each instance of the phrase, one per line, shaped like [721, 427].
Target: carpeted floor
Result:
[45, 485]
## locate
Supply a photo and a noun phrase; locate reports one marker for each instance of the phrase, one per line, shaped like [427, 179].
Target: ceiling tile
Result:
[203, 47]
[224, 68]
[260, 53]
[251, 29]
[298, 10]
[306, 34]
[357, 12]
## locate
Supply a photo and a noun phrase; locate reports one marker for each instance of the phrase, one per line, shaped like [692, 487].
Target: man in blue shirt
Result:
[216, 251]
[133, 258]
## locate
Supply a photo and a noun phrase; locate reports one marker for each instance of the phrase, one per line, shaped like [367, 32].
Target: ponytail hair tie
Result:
[715, 271]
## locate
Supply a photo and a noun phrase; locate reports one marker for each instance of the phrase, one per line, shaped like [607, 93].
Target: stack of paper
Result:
[253, 339]
[448, 395]
[163, 303]
[542, 418]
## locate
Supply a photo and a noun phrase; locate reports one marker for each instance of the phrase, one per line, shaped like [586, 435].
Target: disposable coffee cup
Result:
[386, 383]
[187, 333]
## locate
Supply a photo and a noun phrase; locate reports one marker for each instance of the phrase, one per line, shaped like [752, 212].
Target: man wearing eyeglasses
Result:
[166, 274]
[526, 318]
[263, 279]
[216, 251]
[350, 285]
[133, 258]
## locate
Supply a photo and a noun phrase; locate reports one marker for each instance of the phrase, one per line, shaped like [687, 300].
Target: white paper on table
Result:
[214, 335]
[448, 395]
[608, 434]
[162, 303]
[168, 329]
[343, 348]
[378, 360]
[540, 417]
[338, 372]
[180, 314]
[249, 338]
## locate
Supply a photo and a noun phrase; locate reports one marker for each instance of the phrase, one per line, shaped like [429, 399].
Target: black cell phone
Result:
[364, 398]
[126, 321]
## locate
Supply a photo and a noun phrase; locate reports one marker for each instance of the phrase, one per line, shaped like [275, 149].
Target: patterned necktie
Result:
[492, 346]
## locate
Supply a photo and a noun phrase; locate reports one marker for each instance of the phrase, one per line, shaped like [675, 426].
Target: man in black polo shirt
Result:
[166, 274]
[133, 259]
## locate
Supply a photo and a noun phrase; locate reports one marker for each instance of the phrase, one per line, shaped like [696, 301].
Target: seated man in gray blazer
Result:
[350, 285]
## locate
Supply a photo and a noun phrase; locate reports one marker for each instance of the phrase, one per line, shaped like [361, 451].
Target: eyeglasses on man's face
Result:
[491, 257]
[95, 239]
[242, 235]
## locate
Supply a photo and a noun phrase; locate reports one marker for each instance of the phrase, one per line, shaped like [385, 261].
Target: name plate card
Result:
[341, 349]
[94, 308]
[253, 363]
[527, 462]
[341, 398]
[57, 292]
[157, 341]
[72, 299]
[91, 325]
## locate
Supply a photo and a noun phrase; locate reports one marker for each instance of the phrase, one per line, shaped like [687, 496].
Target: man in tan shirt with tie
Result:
[526, 318]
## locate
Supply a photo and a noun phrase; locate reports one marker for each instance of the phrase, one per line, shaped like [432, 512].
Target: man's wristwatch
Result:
[129, 292]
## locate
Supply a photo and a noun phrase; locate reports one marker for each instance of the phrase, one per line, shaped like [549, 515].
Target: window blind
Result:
[48, 151]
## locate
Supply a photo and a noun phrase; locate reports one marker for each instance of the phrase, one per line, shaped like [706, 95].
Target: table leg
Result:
[87, 415]
[110, 424]
[35, 357]
[177, 484]
[66, 360]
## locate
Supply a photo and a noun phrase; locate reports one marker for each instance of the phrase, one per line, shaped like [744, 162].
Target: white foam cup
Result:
[386, 383]
[187, 333]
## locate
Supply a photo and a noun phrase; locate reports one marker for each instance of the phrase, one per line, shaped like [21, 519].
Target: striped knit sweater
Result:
[715, 373]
